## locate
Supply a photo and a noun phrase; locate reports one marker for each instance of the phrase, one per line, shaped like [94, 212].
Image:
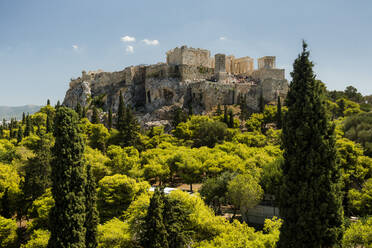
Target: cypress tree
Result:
[19, 134]
[191, 112]
[109, 119]
[23, 118]
[310, 198]
[84, 112]
[225, 117]
[79, 110]
[58, 104]
[67, 217]
[131, 128]
[5, 205]
[95, 116]
[231, 119]
[92, 219]
[1, 132]
[279, 114]
[28, 126]
[48, 102]
[120, 123]
[155, 234]
[261, 102]
[218, 110]
[49, 126]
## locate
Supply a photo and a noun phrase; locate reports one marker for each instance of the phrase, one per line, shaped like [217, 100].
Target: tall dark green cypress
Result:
[28, 128]
[109, 119]
[49, 126]
[19, 134]
[155, 234]
[218, 110]
[131, 128]
[95, 116]
[5, 205]
[120, 123]
[261, 102]
[310, 198]
[48, 102]
[23, 118]
[225, 116]
[231, 119]
[58, 104]
[79, 110]
[67, 217]
[279, 114]
[92, 219]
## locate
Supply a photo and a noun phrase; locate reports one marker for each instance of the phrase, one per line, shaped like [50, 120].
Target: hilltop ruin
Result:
[190, 77]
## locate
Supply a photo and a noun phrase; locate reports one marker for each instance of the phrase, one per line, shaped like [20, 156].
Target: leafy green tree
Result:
[358, 128]
[114, 234]
[67, 217]
[99, 137]
[361, 201]
[39, 239]
[8, 233]
[115, 193]
[38, 169]
[91, 220]
[178, 117]
[244, 193]
[358, 234]
[214, 191]
[310, 197]
[155, 234]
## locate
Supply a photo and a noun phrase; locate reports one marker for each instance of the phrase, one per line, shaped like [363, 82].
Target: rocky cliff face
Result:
[155, 90]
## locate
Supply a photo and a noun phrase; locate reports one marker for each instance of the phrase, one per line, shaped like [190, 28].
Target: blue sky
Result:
[44, 43]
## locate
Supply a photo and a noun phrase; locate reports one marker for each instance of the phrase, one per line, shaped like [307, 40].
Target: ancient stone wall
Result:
[189, 56]
[268, 73]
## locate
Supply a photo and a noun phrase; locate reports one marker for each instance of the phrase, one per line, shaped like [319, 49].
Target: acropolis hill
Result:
[190, 77]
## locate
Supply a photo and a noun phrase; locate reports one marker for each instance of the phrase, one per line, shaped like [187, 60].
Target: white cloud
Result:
[151, 42]
[129, 49]
[223, 38]
[75, 47]
[128, 39]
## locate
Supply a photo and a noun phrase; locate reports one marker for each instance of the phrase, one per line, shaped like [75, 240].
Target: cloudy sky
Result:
[44, 43]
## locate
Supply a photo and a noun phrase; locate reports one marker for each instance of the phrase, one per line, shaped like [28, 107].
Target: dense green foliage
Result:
[230, 166]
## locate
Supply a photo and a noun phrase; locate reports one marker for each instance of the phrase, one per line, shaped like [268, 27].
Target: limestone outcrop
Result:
[189, 78]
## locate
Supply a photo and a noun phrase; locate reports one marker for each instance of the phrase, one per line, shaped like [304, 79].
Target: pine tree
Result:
[310, 198]
[279, 114]
[19, 134]
[67, 217]
[155, 234]
[109, 119]
[92, 219]
[95, 116]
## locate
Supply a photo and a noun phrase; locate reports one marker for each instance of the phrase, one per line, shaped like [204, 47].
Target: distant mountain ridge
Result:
[7, 112]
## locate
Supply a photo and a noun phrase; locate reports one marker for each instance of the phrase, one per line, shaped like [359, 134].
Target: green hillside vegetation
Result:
[67, 181]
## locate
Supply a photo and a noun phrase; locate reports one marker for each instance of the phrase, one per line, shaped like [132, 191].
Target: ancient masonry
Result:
[190, 77]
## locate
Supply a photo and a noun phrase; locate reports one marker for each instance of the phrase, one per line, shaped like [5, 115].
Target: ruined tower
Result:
[220, 66]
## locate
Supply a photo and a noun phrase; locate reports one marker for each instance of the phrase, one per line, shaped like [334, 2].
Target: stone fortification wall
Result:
[189, 56]
[262, 74]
